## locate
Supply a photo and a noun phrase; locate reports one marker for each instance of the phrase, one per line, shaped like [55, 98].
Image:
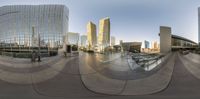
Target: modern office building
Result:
[165, 39]
[91, 35]
[104, 33]
[23, 26]
[83, 41]
[146, 44]
[199, 25]
[170, 42]
[181, 42]
[72, 38]
[112, 43]
[155, 46]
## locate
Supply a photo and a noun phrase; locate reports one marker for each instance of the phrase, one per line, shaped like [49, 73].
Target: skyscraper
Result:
[165, 39]
[91, 35]
[199, 23]
[21, 24]
[112, 41]
[30, 26]
[83, 40]
[104, 33]
[154, 45]
[146, 44]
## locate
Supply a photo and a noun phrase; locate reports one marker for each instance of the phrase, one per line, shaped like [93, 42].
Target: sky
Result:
[131, 20]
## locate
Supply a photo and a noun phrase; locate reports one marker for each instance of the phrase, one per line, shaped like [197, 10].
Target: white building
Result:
[112, 41]
[73, 38]
[165, 39]
[83, 42]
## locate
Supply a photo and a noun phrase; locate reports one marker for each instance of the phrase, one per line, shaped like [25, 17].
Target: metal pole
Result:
[39, 60]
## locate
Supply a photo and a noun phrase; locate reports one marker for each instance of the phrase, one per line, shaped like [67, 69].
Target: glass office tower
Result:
[104, 34]
[25, 26]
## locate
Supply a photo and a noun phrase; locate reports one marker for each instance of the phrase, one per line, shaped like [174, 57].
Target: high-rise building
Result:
[120, 42]
[146, 44]
[154, 45]
[83, 40]
[199, 24]
[104, 33]
[165, 39]
[73, 38]
[21, 24]
[24, 26]
[112, 41]
[91, 35]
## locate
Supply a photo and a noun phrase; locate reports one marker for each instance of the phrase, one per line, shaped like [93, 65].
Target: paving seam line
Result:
[126, 81]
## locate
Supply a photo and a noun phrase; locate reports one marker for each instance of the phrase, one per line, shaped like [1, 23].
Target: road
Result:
[67, 84]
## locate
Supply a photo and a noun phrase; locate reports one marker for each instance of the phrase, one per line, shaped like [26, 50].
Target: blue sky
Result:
[131, 20]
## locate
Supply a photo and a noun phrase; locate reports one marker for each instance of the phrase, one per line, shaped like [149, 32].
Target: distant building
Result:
[91, 35]
[131, 46]
[112, 41]
[154, 45]
[83, 40]
[146, 44]
[104, 33]
[73, 38]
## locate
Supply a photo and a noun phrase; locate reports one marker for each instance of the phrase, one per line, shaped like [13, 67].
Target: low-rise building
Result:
[131, 46]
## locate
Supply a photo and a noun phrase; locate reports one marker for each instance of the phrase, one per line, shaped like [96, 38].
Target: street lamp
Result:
[39, 53]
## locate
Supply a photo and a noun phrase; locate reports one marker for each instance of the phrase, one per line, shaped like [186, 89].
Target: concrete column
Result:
[165, 39]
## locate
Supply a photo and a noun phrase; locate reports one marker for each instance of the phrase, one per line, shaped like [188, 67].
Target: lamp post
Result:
[39, 54]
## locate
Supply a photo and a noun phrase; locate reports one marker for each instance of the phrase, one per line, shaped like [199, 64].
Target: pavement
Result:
[191, 62]
[103, 84]
[119, 68]
[81, 77]
[59, 80]
[183, 82]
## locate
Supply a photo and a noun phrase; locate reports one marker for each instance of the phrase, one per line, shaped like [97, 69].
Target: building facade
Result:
[112, 43]
[134, 47]
[72, 38]
[199, 25]
[170, 42]
[181, 42]
[104, 33]
[165, 39]
[21, 26]
[146, 44]
[83, 41]
[91, 35]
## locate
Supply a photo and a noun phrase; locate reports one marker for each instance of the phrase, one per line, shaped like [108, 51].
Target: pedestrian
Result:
[33, 56]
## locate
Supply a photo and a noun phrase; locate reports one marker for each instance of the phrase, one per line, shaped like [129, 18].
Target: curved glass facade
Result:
[180, 42]
[23, 25]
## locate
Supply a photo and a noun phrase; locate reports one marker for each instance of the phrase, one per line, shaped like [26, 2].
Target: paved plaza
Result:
[98, 76]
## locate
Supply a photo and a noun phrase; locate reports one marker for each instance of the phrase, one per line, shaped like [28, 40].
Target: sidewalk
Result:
[109, 58]
[101, 84]
[192, 63]
[26, 62]
[34, 73]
